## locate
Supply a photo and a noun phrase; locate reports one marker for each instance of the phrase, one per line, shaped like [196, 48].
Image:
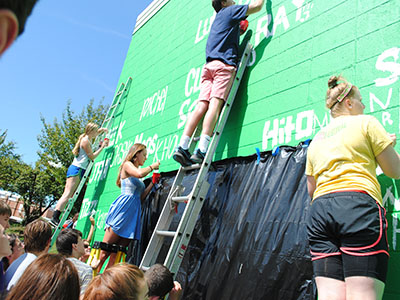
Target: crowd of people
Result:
[346, 223]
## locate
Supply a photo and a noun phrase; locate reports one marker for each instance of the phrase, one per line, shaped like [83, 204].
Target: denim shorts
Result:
[75, 171]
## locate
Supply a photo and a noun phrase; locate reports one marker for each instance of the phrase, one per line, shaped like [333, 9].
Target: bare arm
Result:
[389, 161]
[88, 148]
[176, 292]
[91, 231]
[146, 192]
[129, 170]
[255, 7]
[311, 185]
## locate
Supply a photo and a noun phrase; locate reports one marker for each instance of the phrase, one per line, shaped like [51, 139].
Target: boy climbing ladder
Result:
[217, 76]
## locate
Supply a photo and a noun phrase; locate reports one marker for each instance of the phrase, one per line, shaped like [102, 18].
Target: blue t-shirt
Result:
[223, 41]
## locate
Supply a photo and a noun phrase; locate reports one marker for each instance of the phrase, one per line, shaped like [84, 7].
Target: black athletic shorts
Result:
[347, 235]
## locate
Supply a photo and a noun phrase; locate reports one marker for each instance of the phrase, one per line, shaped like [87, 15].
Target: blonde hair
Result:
[90, 127]
[135, 149]
[336, 88]
[120, 282]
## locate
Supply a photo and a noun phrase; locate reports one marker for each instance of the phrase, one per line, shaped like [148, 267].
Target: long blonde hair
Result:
[135, 149]
[90, 127]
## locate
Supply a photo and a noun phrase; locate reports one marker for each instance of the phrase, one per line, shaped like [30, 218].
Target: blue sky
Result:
[70, 50]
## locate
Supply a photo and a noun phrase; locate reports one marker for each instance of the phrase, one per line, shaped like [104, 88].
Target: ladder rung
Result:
[192, 167]
[119, 93]
[166, 233]
[144, 268]
[106, 120]
[112, 106]
[180, 199]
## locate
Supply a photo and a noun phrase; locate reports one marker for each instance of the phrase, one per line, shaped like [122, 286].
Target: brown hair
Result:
[336, 86]
[49, 277]
[90, 127]
[160, 280]
[120, 282]
[135, 149]
[37, 235]
[5, 208]
[217, 4]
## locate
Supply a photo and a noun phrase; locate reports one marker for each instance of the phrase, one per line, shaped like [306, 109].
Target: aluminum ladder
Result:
[195, 199]
[107, 123]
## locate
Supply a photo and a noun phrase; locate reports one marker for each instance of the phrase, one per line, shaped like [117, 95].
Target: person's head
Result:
[5, 214]
[37, 236]
[120, 282]
[160, 281]
[75, 217]
[5, 248]
[91, 130]
[50, 277]
[137, 154]
[17, 249]
[13, 15]
[343, 98]
[69, 243]
[219, 4]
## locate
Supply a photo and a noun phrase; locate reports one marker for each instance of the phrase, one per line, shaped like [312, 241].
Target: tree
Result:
[57, 140]
[10, 162]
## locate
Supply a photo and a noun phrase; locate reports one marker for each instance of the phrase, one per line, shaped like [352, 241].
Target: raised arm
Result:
[255, 7]
[85, 144]
[129, 170]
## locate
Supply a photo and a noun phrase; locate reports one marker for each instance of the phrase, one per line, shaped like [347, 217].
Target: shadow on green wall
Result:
[239, 107]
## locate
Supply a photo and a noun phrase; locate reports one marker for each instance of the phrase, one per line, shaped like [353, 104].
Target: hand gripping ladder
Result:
[107, 122]
[194, 201]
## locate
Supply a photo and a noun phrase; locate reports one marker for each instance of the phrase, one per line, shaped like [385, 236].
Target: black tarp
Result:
[250, 239]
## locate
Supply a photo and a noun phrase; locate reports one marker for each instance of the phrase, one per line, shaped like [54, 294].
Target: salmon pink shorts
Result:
[216, 80]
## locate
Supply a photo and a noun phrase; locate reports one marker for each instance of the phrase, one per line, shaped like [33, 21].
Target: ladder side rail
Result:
[195, 203]
[115, 99]
[70, 203]
[166, 216]
[163, 223]
[119, 95]
[185, 230]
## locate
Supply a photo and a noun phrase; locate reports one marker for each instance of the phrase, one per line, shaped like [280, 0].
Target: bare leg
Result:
[123, 242]
[195, 117]
[70, 187]
[110, 237]
[212, 115]
[365, 288]
[330, 289]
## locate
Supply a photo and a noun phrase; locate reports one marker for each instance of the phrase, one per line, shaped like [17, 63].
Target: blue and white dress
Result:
[124, 213]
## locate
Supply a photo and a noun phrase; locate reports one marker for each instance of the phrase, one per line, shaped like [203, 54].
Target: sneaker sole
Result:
[181, 160]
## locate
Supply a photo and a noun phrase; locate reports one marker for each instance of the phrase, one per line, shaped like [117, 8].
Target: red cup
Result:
[243, 26]
[156, 177]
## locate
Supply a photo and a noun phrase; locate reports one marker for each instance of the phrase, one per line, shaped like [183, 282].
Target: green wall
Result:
[298, 45]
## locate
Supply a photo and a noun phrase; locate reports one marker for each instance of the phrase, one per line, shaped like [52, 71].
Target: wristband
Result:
[151, 168]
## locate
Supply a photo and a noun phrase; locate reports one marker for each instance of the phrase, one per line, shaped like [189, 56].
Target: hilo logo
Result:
[301, 126]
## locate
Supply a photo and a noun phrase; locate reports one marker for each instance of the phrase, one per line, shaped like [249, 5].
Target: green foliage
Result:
[42, 185]
[10, 162]
[57, 139]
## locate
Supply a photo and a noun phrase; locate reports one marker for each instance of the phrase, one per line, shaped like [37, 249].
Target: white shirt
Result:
[17, 268]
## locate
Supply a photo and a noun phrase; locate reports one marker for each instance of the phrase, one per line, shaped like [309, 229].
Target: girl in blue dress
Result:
[123, 219]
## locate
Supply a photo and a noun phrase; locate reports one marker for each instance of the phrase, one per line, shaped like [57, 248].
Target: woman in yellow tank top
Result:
[347, 225]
